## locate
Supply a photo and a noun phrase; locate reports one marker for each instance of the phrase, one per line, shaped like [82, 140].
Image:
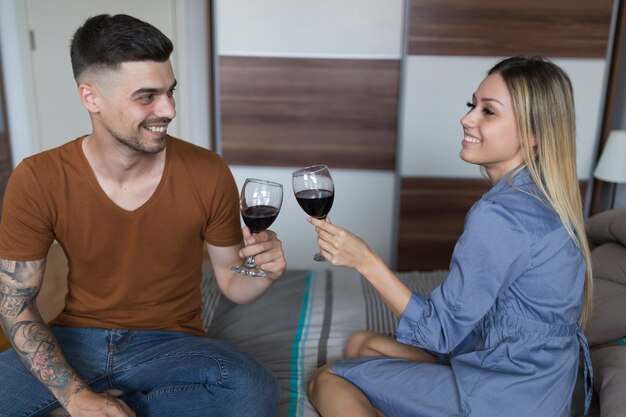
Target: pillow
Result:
[609, 262]
[608, 226]
[609, 378]
[609, 309]
[51, 298]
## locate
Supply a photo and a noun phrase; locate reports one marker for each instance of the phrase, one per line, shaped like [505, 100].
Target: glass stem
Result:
[249, 262]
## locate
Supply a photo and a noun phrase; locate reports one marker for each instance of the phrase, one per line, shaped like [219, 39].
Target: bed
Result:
[304, 321]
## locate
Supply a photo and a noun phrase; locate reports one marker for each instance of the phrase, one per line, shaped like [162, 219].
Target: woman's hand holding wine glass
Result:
[315, 191]
[343, 248]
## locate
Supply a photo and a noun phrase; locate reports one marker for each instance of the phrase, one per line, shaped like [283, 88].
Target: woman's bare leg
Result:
[367, 344]
[333, 396]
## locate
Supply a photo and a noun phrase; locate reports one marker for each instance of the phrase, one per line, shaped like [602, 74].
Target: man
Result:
[131, 207]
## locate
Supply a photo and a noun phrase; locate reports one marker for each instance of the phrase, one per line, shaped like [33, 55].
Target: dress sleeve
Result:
[26, 230]
[492, 252]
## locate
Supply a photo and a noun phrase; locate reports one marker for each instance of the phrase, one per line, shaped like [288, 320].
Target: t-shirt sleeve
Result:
[492, 252]
[26, 231]
[224, 227]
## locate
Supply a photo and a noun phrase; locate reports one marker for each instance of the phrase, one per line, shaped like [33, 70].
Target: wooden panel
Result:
[614, 106]
[6, 168]
[6, 164]
[302, 111]
[557, 28]
[4, 343]
[432, 215]
[432, 212]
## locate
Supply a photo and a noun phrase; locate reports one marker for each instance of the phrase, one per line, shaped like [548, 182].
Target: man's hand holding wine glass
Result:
[260, 204]
[266, 250]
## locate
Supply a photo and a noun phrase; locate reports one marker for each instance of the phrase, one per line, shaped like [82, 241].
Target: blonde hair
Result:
[544, 106]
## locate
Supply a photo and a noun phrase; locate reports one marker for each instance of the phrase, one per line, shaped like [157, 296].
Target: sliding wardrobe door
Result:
[314, 83]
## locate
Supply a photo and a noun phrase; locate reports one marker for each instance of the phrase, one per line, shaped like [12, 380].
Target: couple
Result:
[501, 331]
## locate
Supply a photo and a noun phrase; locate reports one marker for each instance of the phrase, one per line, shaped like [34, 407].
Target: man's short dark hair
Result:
[105, 41]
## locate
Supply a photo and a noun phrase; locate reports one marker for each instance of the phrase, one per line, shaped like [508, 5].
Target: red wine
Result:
[259, 218]
[316, 203]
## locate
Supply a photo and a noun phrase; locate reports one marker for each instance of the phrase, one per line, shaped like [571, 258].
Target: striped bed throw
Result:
[303, 322]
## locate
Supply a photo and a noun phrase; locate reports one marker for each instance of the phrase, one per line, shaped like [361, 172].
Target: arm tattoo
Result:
[8, 267]
[13, 299]
[40, 352]
[21, 271]
[35, 343]
[19, 284]
[80, 386]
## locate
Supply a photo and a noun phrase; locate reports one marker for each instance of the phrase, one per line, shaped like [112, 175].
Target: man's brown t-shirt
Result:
[137, 269]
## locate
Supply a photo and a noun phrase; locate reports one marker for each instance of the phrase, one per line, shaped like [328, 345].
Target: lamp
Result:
[612, 164]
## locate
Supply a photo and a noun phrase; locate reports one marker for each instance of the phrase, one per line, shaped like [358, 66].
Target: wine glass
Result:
[315, 192]
[260, 203]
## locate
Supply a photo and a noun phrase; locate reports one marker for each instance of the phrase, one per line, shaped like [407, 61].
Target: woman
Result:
[500, 336]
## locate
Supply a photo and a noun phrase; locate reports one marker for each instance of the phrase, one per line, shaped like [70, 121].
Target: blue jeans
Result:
[161, 373]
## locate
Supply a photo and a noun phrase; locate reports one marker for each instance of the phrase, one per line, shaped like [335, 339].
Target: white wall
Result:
[16, 67]
[322, 28]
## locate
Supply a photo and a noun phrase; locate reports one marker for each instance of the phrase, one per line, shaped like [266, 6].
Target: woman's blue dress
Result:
[503, 322]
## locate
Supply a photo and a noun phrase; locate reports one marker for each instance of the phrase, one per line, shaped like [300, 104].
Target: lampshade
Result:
[612, 164]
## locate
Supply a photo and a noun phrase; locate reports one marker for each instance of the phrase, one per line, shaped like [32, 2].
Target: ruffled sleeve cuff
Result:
[413, 312]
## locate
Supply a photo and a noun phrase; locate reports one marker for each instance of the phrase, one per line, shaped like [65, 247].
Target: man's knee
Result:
[258, 384]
